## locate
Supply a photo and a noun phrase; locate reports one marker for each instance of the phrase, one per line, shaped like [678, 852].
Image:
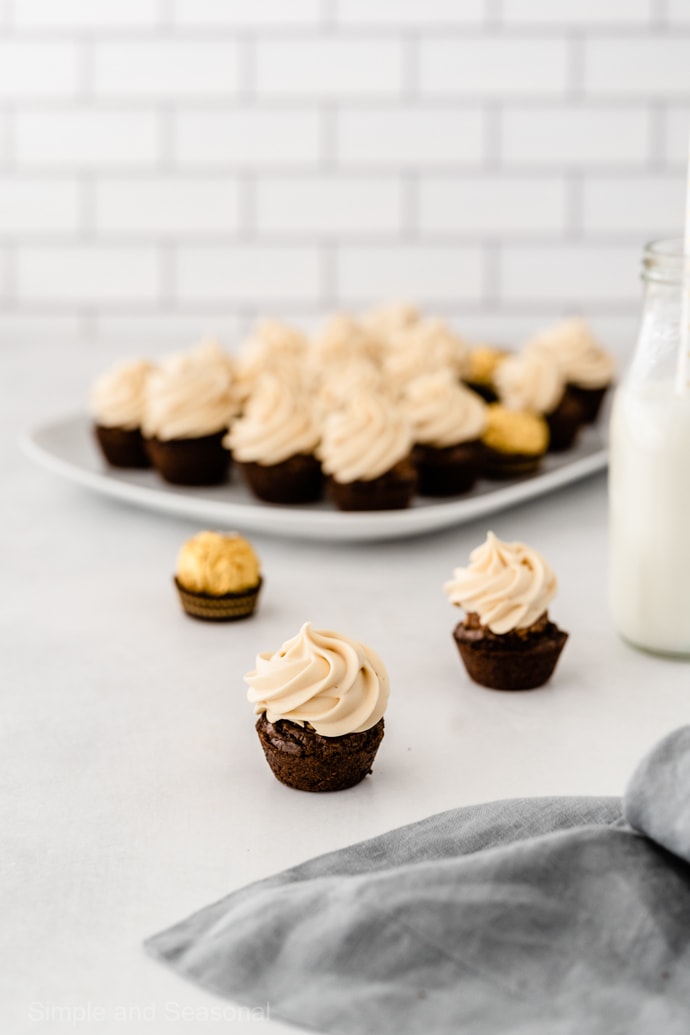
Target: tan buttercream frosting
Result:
[272, 348]
[424, 347]
[342, 339]
[321, 678]
[364, 439]
[341, 381]
[276, 424]
[118, 396]
[217, 564]
[581, 358]
[443, 412]
[509, 585]
[190, 395]
[530, 381]
[385, 319]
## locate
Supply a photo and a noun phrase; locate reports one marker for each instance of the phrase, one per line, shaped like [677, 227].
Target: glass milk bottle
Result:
[649, 472]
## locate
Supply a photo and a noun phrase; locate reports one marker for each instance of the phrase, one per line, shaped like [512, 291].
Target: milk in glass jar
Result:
[649, 472]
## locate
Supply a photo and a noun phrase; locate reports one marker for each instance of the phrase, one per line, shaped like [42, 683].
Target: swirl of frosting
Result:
[443, 413]
[582, 360]
[509, 585]
[191, 394]
[364, 439]
[424, 347]
[118, 396]
[530, 381]
[393, 316]
[275, 425]
[341, 339]
[343, 380]
[335, 684]
[273, 347]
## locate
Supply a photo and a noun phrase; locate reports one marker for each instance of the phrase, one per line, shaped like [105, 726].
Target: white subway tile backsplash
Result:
[341, 205]
[38, 69]
[575, 136]
[86, 14]
[88, 273]
[676, 134]
[166, 68]
[246, 13]
[486, 66]
[155, 333]
[329, 67]
[656, 66]
[492, 205]
[86, 137]
[412, 137]
[573, 275]
[29, 328]
[436, 274]
[396, 13]
[252, 273]
[582, 13]
[172, 167]
[30, 205]
[164, 206]
[247, 138]
[646, 207]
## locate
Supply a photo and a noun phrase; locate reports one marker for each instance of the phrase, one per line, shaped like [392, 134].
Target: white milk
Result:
[649, 505]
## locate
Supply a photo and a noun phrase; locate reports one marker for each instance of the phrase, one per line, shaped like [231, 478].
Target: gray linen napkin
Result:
[532, 916]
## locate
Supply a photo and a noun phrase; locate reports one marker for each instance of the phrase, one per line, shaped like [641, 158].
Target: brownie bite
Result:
[320, 699]
[506, 639]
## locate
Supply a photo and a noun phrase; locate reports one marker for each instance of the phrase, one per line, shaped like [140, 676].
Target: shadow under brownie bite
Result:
[506, 640]
[320, 699]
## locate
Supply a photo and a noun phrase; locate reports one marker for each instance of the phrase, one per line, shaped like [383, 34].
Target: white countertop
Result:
[133, 787]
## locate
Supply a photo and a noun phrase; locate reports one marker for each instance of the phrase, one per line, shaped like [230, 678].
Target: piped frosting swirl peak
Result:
[581, 358]
[364, 439]
[321, 678]
[275, 426]
[191, 394]
[443, 412]
[509, 585]
[118, 397]
[530, 381]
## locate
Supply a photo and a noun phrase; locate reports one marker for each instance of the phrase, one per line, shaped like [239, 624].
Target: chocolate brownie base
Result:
[590, 399]
[122, 447]
[519, 660]
[499, 466]
[564, 423]
[229, 607]
[295, 480]
[307, 761]
[393, 490]
[190, 461]
[447, 471]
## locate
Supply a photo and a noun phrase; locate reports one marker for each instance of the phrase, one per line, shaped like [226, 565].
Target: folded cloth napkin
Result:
[550, 915]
